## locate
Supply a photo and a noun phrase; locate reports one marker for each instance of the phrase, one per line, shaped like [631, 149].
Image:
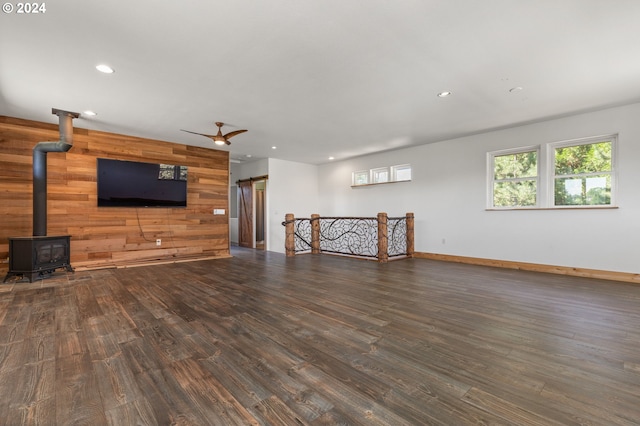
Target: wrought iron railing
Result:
[397, 236]
[380, 237]
[356, 236]
[302, 232]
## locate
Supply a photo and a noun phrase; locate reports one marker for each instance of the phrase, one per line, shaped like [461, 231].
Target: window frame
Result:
[400, 167]
[379, 171]
[545, 195]
[354, 175]
[491, 168]
[371, 175]
[550, 188]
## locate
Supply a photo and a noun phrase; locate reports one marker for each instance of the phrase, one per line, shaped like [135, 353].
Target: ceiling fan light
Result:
[219, 142]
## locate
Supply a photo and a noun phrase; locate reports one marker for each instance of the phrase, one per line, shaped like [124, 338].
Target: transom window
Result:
[578, 173]
[361, 177]
[398, 173]
[380, 175]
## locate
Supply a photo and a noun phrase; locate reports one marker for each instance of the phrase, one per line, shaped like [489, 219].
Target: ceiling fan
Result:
[219, 138]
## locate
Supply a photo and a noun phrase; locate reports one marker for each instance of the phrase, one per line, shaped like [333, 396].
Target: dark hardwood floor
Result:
[320, 340]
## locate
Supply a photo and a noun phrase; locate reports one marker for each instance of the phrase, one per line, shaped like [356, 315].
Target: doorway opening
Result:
[252, 213]
[259, 188]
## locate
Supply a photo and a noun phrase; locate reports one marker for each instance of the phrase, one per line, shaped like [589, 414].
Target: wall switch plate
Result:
[218, 211]
[158, 242]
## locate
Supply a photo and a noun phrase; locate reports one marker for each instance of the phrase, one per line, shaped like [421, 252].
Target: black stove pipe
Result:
[40, 168]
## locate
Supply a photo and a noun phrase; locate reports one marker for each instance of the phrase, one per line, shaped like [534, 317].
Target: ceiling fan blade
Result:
[227, 142]
[234, 133]
[196, 133]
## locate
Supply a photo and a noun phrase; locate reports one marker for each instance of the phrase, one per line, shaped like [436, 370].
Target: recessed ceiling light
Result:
[515, 89]
[274, 147]
[332, 158]
[105, 69]
[248, 155]
[90, 113]
[443, 94]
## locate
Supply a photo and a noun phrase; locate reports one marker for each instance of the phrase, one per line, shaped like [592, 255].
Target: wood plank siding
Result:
[111, 236]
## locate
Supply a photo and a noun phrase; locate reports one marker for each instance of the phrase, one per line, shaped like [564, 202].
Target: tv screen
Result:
[134, 184]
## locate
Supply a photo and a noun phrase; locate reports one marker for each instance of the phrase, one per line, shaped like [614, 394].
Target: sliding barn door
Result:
[245, 214]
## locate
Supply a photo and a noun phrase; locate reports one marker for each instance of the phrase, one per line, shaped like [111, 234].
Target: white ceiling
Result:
[318, 78]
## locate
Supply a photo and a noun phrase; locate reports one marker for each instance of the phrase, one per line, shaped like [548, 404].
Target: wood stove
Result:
[36, 257]
[39, 255]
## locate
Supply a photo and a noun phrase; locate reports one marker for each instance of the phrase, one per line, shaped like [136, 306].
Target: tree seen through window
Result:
[583, 174]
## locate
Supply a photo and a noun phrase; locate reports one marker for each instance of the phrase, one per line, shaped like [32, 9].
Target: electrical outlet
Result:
[158, 242]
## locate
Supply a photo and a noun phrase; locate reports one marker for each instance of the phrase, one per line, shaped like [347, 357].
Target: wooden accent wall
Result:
[111, 236]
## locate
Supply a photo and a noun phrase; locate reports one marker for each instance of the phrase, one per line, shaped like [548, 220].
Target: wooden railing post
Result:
[315, 234]
[290, 241]
[410, 240]
[383, 243]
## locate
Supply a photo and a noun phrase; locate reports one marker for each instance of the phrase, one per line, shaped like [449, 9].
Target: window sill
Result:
[553, 208]
[379, 183]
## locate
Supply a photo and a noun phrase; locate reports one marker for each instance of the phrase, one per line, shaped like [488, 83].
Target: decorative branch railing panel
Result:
[397, 236]
[349, 235]
[378, 237]
[302, 235]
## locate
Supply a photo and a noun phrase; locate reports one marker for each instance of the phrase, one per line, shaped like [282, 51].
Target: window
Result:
[381, 175]
[515, 179]
[578, 173]
[361, 177]
[583, 174]
[401, 173]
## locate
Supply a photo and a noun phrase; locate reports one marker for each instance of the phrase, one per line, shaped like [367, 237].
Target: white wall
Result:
[293, 188]
[246, 170]
[448, 196]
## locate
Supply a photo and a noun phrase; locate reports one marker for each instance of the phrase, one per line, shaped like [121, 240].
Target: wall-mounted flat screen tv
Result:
[135, 184]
